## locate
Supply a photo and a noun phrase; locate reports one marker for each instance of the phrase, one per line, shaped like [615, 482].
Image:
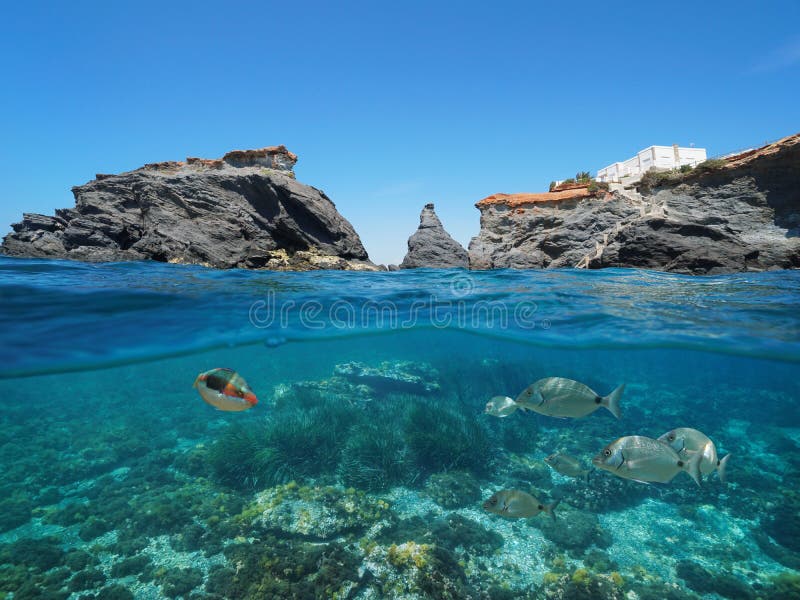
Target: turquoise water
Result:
[362, 470]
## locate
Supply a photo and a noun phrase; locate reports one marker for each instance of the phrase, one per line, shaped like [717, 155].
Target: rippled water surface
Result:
[362, 470]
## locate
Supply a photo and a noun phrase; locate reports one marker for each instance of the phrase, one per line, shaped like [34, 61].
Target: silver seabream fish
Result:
[518, 505]
[686, 441]
[645, 459]
[500, 406]
[560, 397]
[567, 465]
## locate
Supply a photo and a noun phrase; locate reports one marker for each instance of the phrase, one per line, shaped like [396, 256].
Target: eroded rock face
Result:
[543, 233]
[244, 210]
[743, 216]
[432, 247]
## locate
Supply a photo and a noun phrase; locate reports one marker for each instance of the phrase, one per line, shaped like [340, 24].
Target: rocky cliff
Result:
[431, 246]
[243, 210]
[741, 214]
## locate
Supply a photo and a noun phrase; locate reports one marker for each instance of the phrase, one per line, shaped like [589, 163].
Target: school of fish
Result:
[635, 457]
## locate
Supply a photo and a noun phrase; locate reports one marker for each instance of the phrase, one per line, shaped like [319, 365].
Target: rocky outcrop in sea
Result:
[431, 246]
[740, 214]
[244, 210]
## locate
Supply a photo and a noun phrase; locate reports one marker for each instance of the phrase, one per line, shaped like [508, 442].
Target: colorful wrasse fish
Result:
[225, 389]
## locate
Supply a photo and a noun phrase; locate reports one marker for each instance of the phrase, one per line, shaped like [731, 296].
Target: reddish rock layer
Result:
[514, 200]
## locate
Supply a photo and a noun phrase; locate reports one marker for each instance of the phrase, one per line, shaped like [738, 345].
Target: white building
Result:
[659, 158]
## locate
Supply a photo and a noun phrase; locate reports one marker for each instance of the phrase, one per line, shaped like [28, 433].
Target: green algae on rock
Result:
[416, 571]
[314, 512]
[454, 489]
[280, 568]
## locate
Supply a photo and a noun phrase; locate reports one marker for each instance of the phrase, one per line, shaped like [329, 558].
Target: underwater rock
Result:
[775, 551]
[451, 531]
[454, 489]
[334, 388]
[599, 561]
[86, 580]
[246, 212]
[179, 582]
[94, 527]
[583, 585]
[314, 512]
[784, 586]
[15, 509]
[402, 377]
[432, 247]
[40, 554]
[130, 566]
[76, 560]
[416, 572]
[704, 581]
[115, 591]
[280, 568]
[605, 493]
[574, 531]
[522, 472]
[358, 384]
[455, 531]
[783, 522]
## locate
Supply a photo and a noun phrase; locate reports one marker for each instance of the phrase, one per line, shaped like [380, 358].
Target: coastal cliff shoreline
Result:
[247, 210]
[244, 210]
[741, 215]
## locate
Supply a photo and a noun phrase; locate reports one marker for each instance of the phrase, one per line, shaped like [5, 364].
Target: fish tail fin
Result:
[514, 407]
[721, 468]
[693, 467]
[550, 509]
[612, 401]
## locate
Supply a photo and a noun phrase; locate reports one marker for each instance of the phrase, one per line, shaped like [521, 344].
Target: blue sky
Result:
[388, 107]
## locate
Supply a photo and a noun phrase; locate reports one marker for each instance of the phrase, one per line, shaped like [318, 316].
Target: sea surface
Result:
[363, 468]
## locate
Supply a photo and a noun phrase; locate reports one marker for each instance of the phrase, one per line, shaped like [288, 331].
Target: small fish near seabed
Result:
[560, 397]
[225, 389]
[646, 460]
[567, 465]
[687, 441]
[500, 406]
[518, 505]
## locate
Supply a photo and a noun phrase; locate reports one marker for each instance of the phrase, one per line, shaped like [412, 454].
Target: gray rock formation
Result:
[431, 246]
[743, 215]
[244, 210]
[543, 233]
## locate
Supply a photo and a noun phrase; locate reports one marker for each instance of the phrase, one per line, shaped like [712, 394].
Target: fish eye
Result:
[671, 437]
[493, 500]
[606, 452]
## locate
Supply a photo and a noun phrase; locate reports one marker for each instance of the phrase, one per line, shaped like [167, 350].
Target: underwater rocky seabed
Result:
[121, 483]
